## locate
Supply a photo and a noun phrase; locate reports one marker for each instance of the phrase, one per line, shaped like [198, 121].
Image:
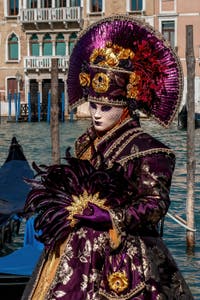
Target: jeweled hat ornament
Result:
[123, 61]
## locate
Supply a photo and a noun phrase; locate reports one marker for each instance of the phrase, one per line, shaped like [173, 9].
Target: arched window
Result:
[34, 45]
[47, 45]
[60, 45]
[13, 47]
[72, 40]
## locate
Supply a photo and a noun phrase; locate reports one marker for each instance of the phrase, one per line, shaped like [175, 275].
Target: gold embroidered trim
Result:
[123, 146]
[116, 230]
[119, 70]
[134, 292]
[47, 274]
[106, 100]
[144, 153]
[109, 134]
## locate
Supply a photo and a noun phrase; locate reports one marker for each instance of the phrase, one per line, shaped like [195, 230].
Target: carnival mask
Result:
[105, 117]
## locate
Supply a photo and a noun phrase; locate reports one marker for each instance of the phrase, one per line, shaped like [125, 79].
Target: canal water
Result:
[35, 139]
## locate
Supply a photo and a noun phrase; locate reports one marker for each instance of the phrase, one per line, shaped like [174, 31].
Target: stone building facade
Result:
[34, 31]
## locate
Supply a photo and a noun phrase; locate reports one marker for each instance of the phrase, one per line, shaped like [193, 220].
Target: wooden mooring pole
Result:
[54, 119]
[190, 61]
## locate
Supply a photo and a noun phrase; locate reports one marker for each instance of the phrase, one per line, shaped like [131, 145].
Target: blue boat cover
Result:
[13, 188]
[23, 260]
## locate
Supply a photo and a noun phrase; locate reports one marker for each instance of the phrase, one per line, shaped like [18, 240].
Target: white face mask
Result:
[104, 117]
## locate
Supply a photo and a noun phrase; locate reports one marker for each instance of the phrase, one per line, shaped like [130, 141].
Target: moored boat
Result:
[182, 119]
[16, 266]
[13, 191]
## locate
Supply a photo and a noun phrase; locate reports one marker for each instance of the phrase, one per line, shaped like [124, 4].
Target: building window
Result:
[136, 5]
[34, 45]
[168, 31]
[47, 45]
[60, 45]
[75, 3]
[60, 3]
[72, 40]
[13, 47]
[13, 7]
[46, 3]
[32, 4]
[95, 6]
[11, 86]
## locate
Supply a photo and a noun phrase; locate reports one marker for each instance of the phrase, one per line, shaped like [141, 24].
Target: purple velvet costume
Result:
[89, 258]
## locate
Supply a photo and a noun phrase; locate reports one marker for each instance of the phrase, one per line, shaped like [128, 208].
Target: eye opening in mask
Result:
[103, 107]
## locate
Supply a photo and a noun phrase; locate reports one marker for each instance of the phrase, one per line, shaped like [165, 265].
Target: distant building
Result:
[34, 31]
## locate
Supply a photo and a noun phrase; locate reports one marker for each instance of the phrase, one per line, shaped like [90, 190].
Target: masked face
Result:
[104, 117]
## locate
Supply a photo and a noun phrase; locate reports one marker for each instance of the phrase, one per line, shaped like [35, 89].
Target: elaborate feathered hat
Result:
[123, 61]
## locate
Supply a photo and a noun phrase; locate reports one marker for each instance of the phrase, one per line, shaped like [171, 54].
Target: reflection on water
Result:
[35, 139]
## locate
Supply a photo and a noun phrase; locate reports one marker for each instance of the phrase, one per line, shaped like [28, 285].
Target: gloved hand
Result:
[94, 216]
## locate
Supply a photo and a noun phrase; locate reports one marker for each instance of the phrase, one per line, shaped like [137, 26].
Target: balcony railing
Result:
[39, 63]
[62, 14]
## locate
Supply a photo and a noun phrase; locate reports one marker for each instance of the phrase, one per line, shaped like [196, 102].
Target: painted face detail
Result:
[104, 117]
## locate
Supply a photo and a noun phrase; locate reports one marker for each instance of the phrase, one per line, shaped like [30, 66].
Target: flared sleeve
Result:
[151, 177]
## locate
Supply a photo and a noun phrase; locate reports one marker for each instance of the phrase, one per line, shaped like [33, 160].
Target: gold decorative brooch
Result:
[118, 281]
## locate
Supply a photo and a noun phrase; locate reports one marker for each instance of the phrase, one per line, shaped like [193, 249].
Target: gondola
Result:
[15, 266]
[13, 190]
[182, 119]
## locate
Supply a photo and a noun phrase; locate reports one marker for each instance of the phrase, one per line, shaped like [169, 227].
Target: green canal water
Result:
[35, 139]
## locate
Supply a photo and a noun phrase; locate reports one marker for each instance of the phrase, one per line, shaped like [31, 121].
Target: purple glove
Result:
[94, 216]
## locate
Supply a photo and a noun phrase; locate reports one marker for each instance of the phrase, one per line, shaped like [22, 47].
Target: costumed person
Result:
[100, 212]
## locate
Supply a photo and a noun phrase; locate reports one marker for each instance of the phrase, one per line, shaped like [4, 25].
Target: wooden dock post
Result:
[190, 61]
[54, 119]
